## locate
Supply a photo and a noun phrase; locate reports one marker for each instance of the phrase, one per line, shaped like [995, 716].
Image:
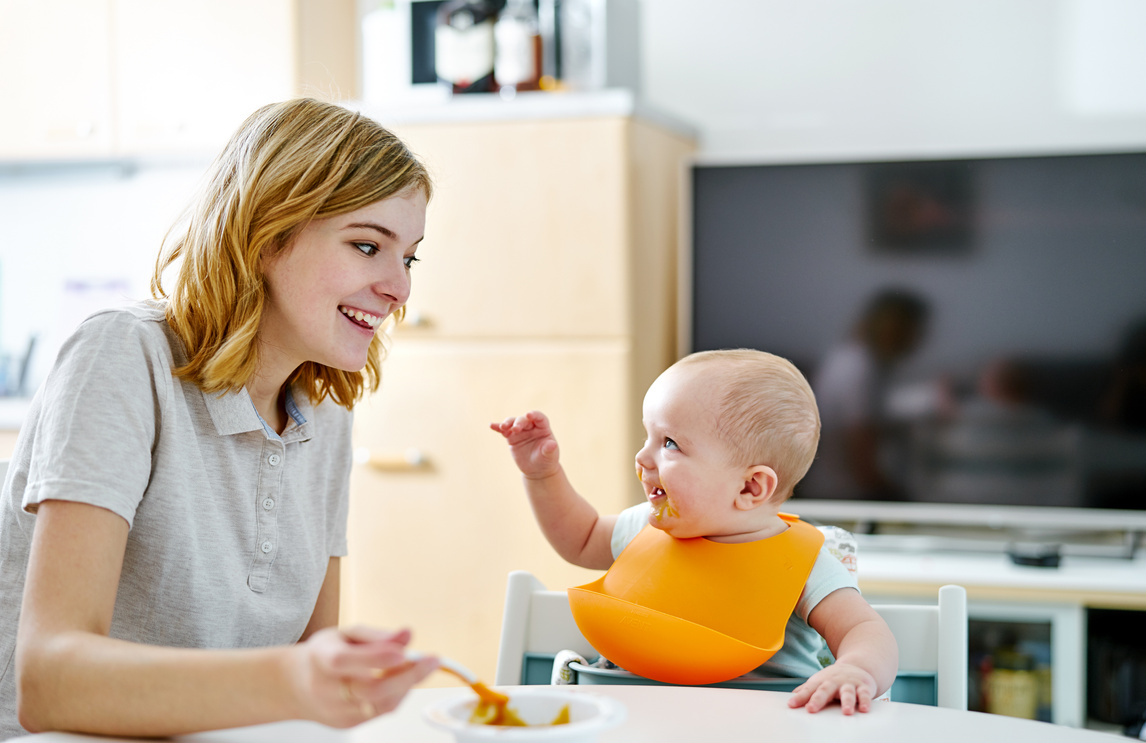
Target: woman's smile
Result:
[361, 319]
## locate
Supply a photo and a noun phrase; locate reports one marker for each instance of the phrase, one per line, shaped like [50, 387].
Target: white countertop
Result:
[475, 107]
[12, 412]
[1096, 581]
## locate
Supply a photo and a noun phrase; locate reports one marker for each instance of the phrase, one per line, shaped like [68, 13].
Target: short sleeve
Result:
[98, 415]
[828, 575]
[629, 524]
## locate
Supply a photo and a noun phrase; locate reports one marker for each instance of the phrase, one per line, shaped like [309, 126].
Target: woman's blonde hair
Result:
[288, 164]
[767, 414]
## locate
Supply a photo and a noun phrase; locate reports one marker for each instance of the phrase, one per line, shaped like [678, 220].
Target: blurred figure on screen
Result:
[851, 387]
[1124, 405]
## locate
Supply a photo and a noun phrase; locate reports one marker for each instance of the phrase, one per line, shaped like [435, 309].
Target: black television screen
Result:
[1022, 379]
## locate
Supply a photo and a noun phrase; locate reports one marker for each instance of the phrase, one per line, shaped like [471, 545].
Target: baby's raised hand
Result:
[532, 444]
[850, 684]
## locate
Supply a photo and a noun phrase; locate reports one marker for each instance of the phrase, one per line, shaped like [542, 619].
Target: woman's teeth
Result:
[361, 316]
[658, 491]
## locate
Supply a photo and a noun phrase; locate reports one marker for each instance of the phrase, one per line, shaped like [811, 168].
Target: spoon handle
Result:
[447, 664]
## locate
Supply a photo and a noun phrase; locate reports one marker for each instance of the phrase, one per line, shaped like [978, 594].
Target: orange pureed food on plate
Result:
[492, 713]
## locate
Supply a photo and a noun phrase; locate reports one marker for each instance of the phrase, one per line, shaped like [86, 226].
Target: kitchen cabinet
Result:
[55, 79]
[99, 79]
[1040, 612]
[547, 281]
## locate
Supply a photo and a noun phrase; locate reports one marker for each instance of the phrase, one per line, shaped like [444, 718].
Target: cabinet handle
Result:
[411, 460]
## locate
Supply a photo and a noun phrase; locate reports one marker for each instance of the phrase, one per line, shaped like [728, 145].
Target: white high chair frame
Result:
[932, 638]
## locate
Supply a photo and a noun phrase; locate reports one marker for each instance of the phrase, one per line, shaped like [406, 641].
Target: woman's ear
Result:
[760, 483]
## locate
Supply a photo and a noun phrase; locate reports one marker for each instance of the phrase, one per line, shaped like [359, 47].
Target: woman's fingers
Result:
[385, 690]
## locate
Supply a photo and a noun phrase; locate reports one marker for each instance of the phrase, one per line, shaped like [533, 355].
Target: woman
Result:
[176, 506]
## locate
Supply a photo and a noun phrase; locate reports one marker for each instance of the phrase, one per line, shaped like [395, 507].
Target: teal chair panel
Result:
[537, 669]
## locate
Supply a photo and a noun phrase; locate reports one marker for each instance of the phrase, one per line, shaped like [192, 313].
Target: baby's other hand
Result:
[532, 444]
[852, 685]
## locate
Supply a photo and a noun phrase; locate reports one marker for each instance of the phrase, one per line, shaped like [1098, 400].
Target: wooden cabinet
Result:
[109, 78]
[547, 282]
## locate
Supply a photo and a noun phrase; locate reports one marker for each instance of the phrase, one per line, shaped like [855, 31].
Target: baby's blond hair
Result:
[767, 414]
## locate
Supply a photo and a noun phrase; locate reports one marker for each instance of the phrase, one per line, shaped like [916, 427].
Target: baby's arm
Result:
[570, 523]
[866, 655]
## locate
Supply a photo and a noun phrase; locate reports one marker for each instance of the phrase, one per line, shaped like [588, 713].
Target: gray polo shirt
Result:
[231, 525]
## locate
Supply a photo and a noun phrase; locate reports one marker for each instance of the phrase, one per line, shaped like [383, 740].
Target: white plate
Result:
[589, 714]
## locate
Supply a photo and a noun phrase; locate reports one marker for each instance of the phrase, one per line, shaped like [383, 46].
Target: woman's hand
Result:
[342, 678]
[532, 444]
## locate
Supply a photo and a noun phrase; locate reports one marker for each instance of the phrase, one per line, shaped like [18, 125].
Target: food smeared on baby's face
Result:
[659, 500]
[491, 713]
[663, 507]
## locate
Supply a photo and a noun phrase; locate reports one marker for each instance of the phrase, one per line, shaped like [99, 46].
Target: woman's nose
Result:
[394, 283]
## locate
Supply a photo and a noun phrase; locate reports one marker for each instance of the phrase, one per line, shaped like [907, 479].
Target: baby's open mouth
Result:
[661, 504]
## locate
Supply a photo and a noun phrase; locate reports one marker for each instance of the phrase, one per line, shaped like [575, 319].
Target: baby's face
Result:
[683, 465]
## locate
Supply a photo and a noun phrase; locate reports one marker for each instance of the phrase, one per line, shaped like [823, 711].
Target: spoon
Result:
[486, 694]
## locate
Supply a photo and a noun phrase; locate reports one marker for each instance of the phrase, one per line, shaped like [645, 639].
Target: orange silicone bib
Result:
[694, 611]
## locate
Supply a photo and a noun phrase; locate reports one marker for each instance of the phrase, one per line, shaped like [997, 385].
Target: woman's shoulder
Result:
[126, 344]
[142, 314]
[138, 323]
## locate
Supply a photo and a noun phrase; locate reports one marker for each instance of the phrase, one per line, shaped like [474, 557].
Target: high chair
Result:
[932, 639]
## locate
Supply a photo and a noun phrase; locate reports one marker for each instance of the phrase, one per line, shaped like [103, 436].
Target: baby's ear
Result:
[760, 483]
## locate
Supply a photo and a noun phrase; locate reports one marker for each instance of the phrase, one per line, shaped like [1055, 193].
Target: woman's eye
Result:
[367, 248]
[410, 260]
[670, 444]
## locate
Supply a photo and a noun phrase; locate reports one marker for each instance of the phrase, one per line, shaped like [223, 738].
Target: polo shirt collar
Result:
[233, 412]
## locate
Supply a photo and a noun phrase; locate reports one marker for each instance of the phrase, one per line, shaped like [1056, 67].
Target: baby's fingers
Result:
[801, 694]
[847, 696]
[813, 697]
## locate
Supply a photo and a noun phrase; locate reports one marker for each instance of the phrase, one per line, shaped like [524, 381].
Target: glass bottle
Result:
[464, 45]
[517, 59]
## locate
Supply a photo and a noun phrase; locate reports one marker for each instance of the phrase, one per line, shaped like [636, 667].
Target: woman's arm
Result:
[72, 676]
[327, 606]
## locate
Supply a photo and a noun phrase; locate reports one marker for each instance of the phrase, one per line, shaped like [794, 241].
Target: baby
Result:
[729, 434]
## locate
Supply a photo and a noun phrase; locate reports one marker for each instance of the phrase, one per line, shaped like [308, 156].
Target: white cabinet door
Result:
[188, 73]
[55, 84]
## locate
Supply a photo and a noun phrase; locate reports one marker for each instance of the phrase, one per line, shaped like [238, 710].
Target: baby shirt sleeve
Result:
[828, 575]
[629, 524]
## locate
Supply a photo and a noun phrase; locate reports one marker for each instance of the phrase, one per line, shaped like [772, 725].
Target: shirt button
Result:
[274, 460]
[268, 503]
[267, 547]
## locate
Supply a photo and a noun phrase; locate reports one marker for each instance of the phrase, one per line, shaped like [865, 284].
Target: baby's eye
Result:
[670, 444]
[410, 260]
[367, 248]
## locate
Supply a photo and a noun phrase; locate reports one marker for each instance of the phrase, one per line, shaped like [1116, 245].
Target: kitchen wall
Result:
[73, 239]
[759, 79]
[773, 79]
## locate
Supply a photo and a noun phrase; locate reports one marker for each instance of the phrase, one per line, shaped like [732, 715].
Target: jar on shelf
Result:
[1012, 685]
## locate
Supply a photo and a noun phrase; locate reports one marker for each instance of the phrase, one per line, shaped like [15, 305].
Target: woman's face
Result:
[331, 288]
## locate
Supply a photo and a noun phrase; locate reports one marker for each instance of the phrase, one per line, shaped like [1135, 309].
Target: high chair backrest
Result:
[932, 640]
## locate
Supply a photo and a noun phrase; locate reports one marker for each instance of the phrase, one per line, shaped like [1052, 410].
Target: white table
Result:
[662, 714]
